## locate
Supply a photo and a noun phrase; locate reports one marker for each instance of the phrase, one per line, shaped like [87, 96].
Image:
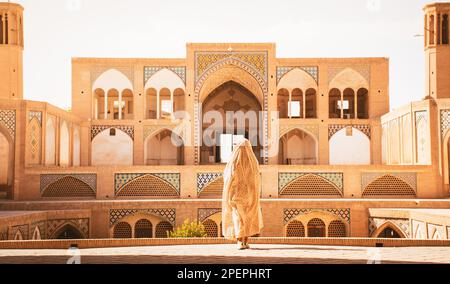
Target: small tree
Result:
[189, 230]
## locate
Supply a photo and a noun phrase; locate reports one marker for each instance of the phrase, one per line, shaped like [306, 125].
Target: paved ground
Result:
[228, 254]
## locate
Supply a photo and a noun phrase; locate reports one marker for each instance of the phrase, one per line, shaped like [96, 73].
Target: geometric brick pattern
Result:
[117, 214]
[310, 185]
[213, 189]
[4, 234]
[68, 187]
[162, 229]
[203, 179]
[23, 229]
[284, 179]
[122, 179]
[149, 71]
[313, 71]
[88, 179]
[337, 229]
[389, 184]
[122, 230]
[211, 228]
[205, 213]
[445, 122]
[34, 140]
[143, 229]
[96, 129]
[334, 128]
[81, 224]
[8, 120]
[290, 213]
[295, 229]
[148, 185]
[35, 114]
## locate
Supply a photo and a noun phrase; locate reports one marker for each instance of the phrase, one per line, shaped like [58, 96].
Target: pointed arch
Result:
[297, 78]
[36, 234]
[67, 231]
[68, 187]
[165, 78]
[213, 189]
[298, 146]
[50, 142]
[18, 236]
[349, 148]
[310, 185]
[64, 145]
[148, 185]
[164, 147]
[388, 185]
[348, 78]
[386, 227]
[112, 148]
[112, 79]
[6, 160]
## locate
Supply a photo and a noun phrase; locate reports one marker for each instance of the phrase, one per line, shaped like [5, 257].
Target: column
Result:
[172, 102]
[356, 104]
[304, 105]
[120, 104]
[158, 105]
[105, 116]
[289, 104]
[342, 104]
[3, 29]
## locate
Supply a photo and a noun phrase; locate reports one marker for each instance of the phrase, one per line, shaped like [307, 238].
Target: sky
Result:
[57, 30]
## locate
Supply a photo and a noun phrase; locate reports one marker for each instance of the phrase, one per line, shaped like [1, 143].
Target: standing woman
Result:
[241, 209]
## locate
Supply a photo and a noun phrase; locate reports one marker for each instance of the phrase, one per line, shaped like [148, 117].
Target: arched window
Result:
[431, 29]
[178, 100]
[165, 103]
[310, 103]
[337, 229]
[389, 233]
[151, 104]
[334, 102]
[283, 100]
[143, 229]
[363, 103]
[211, 228]
[122, 230]
[162, 229]
[1, 29]
[68, 232]
[295, 229]
[296, 104]
[316, 228]
[348, 105]
[445, 34]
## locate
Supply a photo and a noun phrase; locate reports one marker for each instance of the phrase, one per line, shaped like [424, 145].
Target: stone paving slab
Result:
[228, 254]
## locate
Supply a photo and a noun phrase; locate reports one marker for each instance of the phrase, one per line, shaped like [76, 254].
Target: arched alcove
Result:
[50, 142]
[297, 147]
[349, 147]
[112, 148]
[164, 148]
[64, 145]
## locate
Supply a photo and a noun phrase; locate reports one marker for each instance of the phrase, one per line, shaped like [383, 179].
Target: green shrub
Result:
[189, 230]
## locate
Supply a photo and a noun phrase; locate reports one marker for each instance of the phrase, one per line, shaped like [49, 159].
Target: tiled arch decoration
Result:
[168, 214]
[395, 184]
[150, 131]
[335, 180]
[34, 133]
[151, 185]
[41, 227]
[402, 224]
[334, 128]
[313, 71]
[209, 183]
[8, 120]
[254, 62]
[205, 213]
[291, 213]
[445, 122]
[149, 71]
[121, 180]
[96, 129]
[81, 224]
[68, 185]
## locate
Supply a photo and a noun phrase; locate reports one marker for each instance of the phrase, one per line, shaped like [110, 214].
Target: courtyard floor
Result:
[228, 254]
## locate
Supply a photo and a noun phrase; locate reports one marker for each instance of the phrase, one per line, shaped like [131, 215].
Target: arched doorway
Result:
[164, 148]
[112, 147]
[297, 147]
[230, 113]
[6, 164]
[389, 233]
[68, 232]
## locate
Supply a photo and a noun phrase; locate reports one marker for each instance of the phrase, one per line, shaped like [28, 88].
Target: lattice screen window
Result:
[143, 229]
[68, 187]
[162, 229]
[316, 228]
[388, 185]
[211, 228]
[148, 185]
[213, 189]
[337, 229]
[122, 231]
[310, 185]
[295, 229]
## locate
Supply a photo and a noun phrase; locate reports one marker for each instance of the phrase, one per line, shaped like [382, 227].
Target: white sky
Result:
[56, 30]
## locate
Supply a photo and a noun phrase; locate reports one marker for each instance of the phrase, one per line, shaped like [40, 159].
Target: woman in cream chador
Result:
[241, 210]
